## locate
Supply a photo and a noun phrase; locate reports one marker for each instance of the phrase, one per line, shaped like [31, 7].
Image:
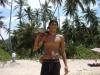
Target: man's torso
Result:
[52, 45]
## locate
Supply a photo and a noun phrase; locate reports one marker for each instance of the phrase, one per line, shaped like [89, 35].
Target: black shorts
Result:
[50, 67]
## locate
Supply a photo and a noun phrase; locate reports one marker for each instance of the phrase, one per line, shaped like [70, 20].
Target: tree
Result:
[9, 31]
[91, 18]
[57, 4]
[20, 5]
[3, 2]
[65, 30]
[71, 7]
[44, 10]
[87, 2]
[37, 17]
[24, 37]
[3, 26]
[29, 13]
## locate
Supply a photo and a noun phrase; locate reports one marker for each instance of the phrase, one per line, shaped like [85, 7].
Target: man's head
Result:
[53, 25]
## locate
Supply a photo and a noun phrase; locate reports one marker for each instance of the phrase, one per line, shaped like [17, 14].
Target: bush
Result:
[70, 51]
[84, 53]
[37, 55]
[23, 53]
[80, 52]
[4, 56]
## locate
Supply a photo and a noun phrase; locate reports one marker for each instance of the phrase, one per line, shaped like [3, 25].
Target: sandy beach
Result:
[33, 67]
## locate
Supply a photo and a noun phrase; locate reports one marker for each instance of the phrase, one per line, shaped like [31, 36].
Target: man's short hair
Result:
[51, 22]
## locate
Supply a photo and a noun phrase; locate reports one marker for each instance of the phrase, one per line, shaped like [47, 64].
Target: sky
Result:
[34, 4]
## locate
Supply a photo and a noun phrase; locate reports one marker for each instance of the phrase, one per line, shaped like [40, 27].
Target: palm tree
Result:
[87, 2]
[44, 10]
[71, 7]
[24, 37]
[3, 26]
[1, 23]
[57, 3]
[65, 29]
[80, 27]
[3, 2]
[19, 16]
[10, 26]
[29, 13]
[37, 16]
[20, 5]
[90, 17]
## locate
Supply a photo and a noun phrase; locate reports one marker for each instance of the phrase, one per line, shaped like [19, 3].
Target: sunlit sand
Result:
[33, 67]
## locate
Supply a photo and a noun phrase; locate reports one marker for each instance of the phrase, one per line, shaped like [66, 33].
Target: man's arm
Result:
[63, 50]
[38, 43]
[64, 54]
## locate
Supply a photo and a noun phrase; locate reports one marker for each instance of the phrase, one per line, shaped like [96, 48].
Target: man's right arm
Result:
[38, 43]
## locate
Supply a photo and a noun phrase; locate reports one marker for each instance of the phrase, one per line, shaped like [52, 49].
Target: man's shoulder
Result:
[59, 35]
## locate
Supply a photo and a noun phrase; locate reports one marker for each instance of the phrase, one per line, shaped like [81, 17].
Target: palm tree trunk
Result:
[20, 14]
[10, 26]
[59, 17]
[45, 16]
[40, 3]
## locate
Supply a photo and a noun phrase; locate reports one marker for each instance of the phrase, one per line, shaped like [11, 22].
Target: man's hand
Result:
[40, 34]
[54, 55]
[66, 70]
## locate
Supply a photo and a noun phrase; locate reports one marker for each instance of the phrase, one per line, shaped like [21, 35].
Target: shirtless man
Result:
[53, 42]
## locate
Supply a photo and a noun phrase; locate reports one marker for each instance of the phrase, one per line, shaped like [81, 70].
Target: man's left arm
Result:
[64, 54]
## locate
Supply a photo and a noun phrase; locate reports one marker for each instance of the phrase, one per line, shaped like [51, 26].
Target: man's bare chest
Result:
[53, 40]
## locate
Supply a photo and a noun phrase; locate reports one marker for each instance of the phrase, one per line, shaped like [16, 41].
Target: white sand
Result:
[33, 67]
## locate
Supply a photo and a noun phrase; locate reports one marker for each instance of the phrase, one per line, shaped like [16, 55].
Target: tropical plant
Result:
[57, 4]
[37, 17]
[24, 36]
[4, 2]
[44, 10]
[3, 26]
[91, 18]
[29, 13]
[20, 5]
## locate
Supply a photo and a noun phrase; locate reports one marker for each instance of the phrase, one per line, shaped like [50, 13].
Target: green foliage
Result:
[23, 53]
[26, 54]
[4, 56]
[76, 30]
[70, 51]
[4, 45]
[81, 52]
[37, 55]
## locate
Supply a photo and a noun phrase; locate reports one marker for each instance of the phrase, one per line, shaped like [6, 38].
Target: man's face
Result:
[53, 26]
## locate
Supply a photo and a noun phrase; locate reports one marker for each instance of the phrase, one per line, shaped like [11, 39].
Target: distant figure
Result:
[13, 56]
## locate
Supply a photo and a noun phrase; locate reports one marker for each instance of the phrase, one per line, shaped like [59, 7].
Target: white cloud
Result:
[36, 4]
[94, 6]
[4, 34]
[62, 18]
[6, 20]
